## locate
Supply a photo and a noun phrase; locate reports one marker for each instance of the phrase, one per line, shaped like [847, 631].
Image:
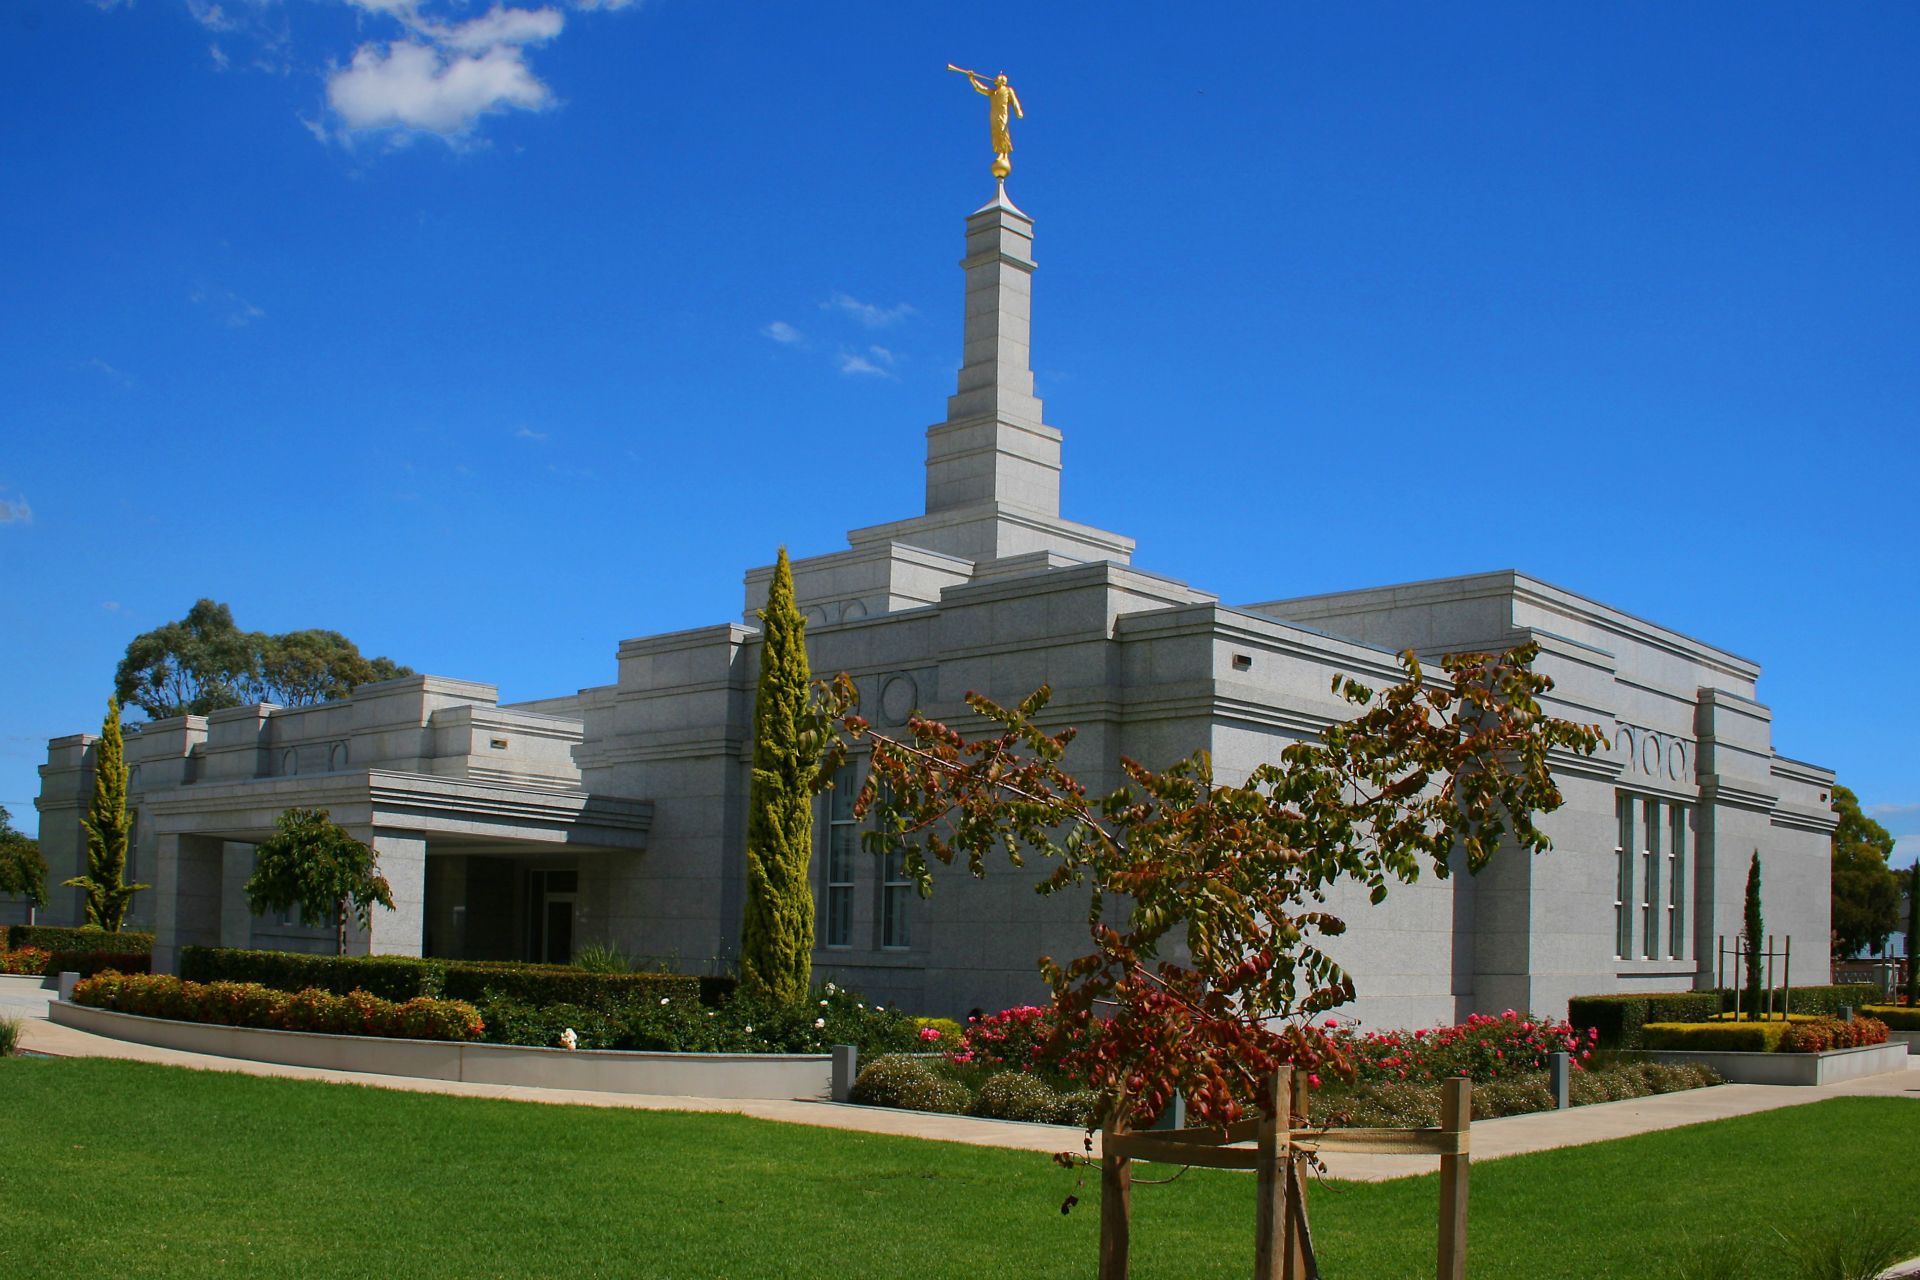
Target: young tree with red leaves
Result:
[1207, 899]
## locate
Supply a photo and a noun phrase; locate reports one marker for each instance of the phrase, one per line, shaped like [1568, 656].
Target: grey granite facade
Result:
[619, 814]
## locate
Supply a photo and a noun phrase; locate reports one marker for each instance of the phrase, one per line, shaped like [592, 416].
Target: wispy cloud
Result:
[94, 364]
[112, 606]
[236, 310]
[782, 332]
[15, 511]
[873, 362]
[867, 313]
[528, 433]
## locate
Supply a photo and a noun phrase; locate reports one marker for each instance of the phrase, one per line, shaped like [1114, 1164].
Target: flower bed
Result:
[672, 1024]
[248, 1004]
[1484, 1048]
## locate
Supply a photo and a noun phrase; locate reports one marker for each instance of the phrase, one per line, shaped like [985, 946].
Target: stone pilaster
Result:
[187, 897]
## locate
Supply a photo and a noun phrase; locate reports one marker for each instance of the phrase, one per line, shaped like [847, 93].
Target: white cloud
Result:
[610, 6]
[853, 363]
[528, 433]
[219, 57]
[111, 606]
[210, 16]
[15, 511]
[881, 354]
[498, 26]
[416, 86]
[1891, 810]
[781, 331]
[873, 317]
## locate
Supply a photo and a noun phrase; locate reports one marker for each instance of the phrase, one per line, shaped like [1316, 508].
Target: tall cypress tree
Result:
[1913, 933]
[1754, 929]
[107, 892]
[776, 936]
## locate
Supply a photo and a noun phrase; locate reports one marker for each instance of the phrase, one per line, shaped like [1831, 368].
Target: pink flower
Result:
[1313, 1080]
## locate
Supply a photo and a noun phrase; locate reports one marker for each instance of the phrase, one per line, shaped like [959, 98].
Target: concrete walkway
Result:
[1514, 1135]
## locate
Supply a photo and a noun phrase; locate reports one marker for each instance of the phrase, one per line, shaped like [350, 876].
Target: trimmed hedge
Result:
[47, 937]
[249, 1004]
[404, 977]
[1716, 1037]
[1826, 1001]
[1622, 1019]
[88, 963]
[561, 984]
[1897, 1017]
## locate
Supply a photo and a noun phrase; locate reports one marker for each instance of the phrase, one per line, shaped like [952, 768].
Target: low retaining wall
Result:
[1911, 1039]
[700, 1075]
[1793, 1068]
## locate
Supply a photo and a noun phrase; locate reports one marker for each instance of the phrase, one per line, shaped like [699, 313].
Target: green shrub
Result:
[1716, 1037]
[1016, 1095]
[911, 1084]
[1897, 1017]
[1513, 1096]
[512, 1022]
[1824, 1001]
[10, 1028]
[1620, 1019]
[47, 937]
[249, 1004]
[1079, 1108]
[1389, 1104]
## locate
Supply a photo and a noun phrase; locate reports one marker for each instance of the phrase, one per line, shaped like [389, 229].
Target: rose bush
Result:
[1484, 1048]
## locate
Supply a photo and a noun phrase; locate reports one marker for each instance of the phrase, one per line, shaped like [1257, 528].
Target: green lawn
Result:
[121, 1169]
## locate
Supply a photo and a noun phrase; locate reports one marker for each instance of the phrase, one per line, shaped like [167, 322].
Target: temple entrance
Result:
[551, 897]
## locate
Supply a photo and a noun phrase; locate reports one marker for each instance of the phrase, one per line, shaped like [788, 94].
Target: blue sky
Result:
[493, 335]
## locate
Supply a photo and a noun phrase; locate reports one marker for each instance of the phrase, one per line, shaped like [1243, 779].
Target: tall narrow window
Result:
[842, 837]
[895, 897]
[1677, 882]
[1623, 889]
[1650, 869]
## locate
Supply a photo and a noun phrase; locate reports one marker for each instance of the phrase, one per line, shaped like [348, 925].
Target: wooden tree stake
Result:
[1456, 1113]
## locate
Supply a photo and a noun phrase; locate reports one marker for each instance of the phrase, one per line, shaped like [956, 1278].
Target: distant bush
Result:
[911, 1084]
[1484, 1048]
[1825, 1034]
[249, 1004]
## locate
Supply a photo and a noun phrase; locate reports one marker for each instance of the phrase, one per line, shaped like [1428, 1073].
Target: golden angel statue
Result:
[1002, 100]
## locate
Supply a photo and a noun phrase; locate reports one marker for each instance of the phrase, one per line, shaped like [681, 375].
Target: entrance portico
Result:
[477, 869]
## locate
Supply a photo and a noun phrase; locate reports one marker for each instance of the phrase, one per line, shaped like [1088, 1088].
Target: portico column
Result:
[186, 890]
[403, 861]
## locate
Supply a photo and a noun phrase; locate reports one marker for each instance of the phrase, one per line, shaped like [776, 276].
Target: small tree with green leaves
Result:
[312, 863]
[1753, 931]
[22, 870]
[776, 933]
[105, 883]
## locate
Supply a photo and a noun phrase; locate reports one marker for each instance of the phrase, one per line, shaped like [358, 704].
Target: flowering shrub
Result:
[1018, 1038]
[27, 960]
[1484, 1048]
[1823, 1034]
[248, 1004]
[673, 1024]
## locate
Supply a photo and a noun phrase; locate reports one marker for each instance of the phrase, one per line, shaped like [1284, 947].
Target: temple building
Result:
[618, 814]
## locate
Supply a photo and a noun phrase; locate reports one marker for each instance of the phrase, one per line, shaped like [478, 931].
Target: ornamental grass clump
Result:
[10, 1028]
